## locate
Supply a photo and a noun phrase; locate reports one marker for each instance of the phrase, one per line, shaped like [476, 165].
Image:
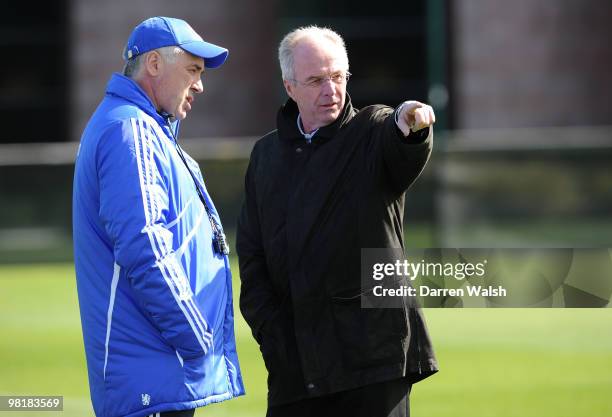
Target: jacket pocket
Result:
[279, 351]
[369, 336]
[273, 344]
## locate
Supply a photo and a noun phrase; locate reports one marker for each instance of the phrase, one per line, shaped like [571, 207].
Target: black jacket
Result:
[309, 209]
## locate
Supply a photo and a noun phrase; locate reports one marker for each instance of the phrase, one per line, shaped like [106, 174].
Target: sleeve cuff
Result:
[419, 136]
[413, 137]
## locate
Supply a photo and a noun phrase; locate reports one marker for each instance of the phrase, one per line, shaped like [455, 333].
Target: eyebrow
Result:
[197, 66]
[314, 77]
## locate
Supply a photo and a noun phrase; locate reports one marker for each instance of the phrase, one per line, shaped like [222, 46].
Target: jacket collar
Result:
[287, 127]
[123, 87]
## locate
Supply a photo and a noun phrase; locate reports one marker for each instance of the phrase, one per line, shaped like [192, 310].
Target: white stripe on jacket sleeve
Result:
[109, 314]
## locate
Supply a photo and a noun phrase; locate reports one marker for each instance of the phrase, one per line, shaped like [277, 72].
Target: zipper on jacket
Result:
[219, 240]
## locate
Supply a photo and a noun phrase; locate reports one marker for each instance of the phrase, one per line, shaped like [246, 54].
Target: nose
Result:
[328, 88]
[197, 87]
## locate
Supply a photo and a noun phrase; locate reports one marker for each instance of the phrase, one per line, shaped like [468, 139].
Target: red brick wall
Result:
[532, 63]
[239, 98]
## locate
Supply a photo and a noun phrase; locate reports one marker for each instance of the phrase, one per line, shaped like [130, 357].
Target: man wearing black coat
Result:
[327, 182]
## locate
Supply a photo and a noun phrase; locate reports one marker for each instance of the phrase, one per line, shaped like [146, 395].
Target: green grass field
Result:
[506, 362]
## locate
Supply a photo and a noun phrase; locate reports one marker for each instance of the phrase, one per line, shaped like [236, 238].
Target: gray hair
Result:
[287, 45]
[168, 54]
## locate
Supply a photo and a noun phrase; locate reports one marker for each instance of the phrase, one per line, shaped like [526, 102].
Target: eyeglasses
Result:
[316, 82]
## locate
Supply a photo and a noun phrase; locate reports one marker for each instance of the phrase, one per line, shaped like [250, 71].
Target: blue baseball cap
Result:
[158, 32]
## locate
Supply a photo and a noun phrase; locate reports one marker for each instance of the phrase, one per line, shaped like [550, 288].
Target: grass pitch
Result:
[505, 362]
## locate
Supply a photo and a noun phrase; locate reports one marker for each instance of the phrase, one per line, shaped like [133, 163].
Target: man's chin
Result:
[330, 117]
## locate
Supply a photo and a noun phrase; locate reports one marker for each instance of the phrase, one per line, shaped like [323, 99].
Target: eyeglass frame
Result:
[317, 82]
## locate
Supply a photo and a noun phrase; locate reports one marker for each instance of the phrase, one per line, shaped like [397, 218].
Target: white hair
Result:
[289, 42]
[168, 54]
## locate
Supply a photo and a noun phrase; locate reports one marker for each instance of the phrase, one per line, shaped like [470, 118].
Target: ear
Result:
[153, 63]
[289, 88]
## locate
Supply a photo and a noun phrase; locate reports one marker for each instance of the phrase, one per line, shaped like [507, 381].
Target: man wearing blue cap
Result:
[153, 278]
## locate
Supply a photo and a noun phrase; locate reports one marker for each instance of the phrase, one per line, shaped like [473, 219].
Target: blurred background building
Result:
[522, 91]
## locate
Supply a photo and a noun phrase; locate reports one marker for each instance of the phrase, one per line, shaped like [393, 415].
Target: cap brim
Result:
[214, 56]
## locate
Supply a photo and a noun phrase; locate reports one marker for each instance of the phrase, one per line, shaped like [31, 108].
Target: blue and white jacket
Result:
[155, 298]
